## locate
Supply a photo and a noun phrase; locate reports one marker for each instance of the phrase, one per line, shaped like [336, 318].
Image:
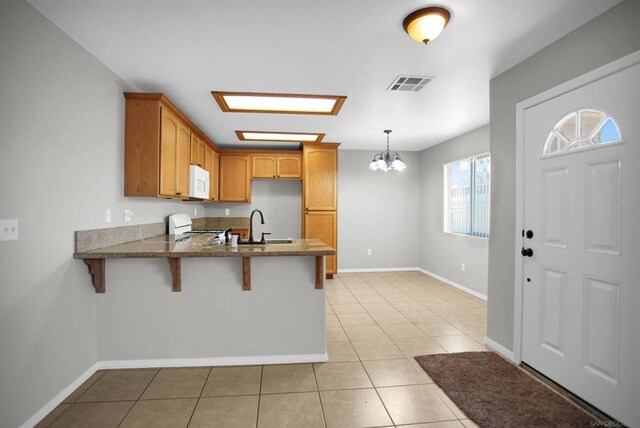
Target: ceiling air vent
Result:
[409, 83]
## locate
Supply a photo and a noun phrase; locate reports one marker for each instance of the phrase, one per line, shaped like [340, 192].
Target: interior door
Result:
[581, 257]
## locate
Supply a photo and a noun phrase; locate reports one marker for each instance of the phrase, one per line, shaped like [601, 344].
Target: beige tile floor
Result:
[376, 324]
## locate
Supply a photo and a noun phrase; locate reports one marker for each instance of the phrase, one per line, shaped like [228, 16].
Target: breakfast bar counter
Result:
[174, 249]
[198, 246]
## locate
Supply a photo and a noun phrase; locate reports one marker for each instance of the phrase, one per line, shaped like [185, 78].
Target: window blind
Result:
[467, 196]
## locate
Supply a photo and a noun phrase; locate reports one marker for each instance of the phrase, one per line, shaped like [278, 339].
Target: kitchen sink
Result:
[268, 242]
[279, 241]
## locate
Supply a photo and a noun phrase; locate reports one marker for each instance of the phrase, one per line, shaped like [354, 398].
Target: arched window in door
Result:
[582, 129]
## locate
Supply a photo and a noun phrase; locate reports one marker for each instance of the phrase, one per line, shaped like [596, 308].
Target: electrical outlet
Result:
[368, 251]
[195, 212]
[227, 211]
[463, 267]
[8, 230]
[108, 216]
[128, 215]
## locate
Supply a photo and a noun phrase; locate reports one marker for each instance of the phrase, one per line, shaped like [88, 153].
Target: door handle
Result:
[526, 252]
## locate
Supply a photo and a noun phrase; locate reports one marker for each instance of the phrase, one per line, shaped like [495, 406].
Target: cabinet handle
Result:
[178, 193]
[274, 176]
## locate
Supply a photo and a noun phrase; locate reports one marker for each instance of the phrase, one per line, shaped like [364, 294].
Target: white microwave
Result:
[198, 182]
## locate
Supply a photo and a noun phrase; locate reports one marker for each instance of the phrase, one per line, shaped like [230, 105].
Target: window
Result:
[582, 129]
[466, 196]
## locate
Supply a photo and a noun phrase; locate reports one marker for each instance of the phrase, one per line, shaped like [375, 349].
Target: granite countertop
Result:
[197, 246]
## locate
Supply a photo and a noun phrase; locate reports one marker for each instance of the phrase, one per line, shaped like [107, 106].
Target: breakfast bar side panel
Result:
[282, 317]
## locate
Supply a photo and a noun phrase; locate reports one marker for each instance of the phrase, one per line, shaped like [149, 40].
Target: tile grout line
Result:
[199, 396]
[138, 399]
[324, 418]
[259, 395]
[74, 401]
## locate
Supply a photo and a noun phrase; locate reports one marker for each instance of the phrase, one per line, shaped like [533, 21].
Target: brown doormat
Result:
[495, 393]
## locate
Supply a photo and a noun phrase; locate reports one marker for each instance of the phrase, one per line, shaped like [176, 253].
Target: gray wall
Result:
[442, 253]
[280, 202]
[610, 36]
[377, 210]
[61, 166]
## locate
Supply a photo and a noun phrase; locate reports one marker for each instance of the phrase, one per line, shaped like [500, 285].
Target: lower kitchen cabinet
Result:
[322, 225]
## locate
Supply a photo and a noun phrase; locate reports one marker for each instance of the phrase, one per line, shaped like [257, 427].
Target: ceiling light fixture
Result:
[426, 24]
[386, 160]
[298, 137]
[250, 102]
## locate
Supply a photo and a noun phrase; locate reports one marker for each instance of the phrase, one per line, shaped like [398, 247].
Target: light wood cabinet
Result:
[159, 144]
[175, 140]
[276, 166]
[289, 166]
[235, 178]
[323, 225]
[198, 151]
[263, 166]
[320, 197]
[320, 185]
[211, 162]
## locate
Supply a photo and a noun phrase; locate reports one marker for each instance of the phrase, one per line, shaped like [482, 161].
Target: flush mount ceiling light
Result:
[387, 161]
[250, 102]
[298, 137]
[426, 24]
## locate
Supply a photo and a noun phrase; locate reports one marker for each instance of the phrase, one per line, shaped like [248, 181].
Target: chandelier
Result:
[387, 161]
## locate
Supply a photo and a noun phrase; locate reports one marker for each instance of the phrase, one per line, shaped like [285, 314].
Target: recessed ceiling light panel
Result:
[298, 137]
[250, 102]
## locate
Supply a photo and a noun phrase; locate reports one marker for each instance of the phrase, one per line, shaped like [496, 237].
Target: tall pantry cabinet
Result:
[320, 197]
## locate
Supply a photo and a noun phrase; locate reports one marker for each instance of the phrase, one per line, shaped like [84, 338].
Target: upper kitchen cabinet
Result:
[320, 177]
[289, 166]
[235, 178]
[212, 163]
[160, 143]
[276, 166]
[198, 151]
[175, 140]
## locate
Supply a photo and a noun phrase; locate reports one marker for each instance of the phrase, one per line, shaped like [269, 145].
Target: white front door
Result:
[581, 277]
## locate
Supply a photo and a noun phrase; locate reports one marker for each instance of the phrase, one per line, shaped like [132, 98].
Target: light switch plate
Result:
[108, 216]
[128, 215]
[8, 230]
[227, 211]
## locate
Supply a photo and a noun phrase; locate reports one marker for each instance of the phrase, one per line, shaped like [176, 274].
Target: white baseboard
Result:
[365, 270]
[177, 362]
[218, 361]
[454, 284]
[499, 349]
[55, 401]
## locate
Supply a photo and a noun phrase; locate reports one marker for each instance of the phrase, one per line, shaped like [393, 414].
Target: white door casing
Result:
[578, 317]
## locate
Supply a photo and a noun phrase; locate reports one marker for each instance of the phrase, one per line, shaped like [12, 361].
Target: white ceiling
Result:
[337, 47]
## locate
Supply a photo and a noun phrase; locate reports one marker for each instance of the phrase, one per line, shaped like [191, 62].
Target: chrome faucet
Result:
[251, 224]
